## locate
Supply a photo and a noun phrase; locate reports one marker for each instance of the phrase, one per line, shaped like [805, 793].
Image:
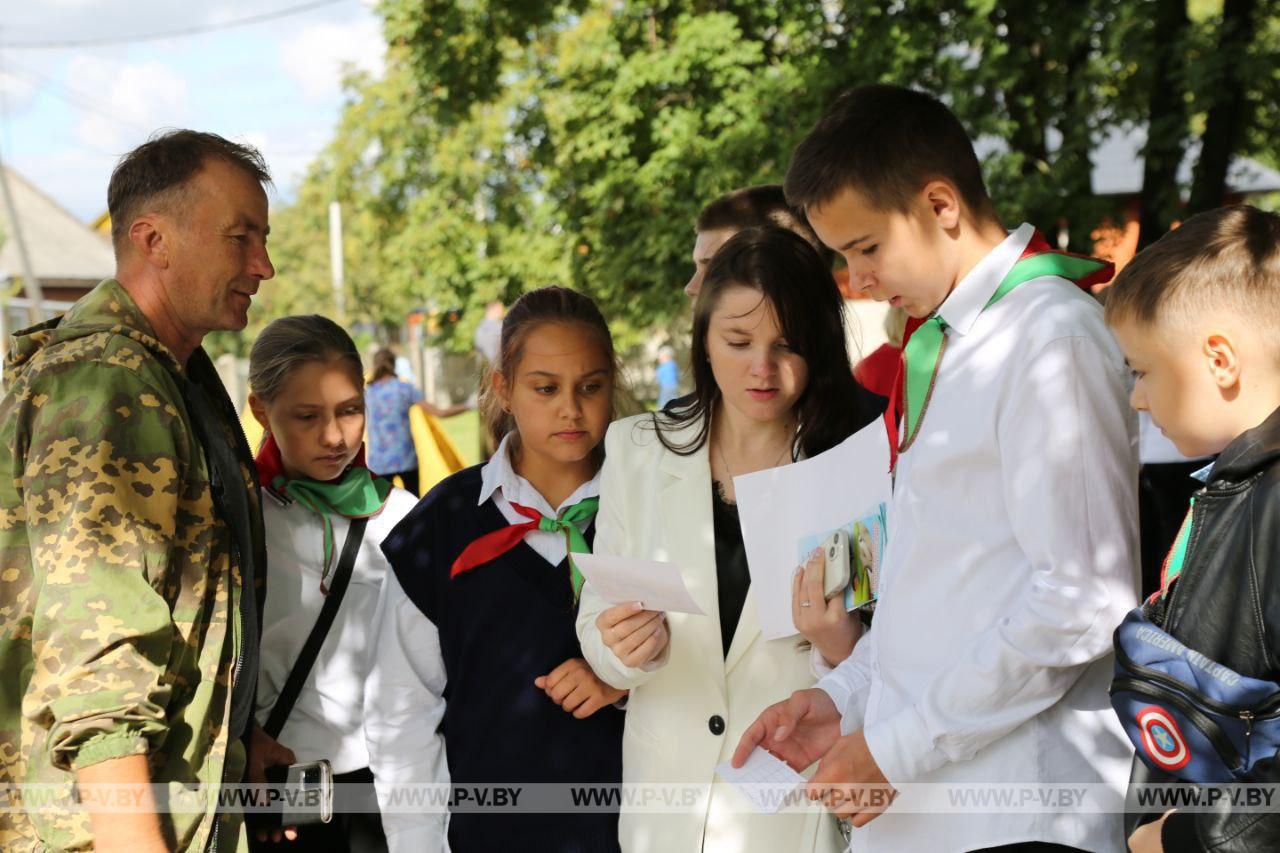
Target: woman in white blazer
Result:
[772, 383]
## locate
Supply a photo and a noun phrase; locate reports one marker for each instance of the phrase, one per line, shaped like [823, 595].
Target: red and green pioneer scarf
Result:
[495, 544]
[356, 494]
[925, 340]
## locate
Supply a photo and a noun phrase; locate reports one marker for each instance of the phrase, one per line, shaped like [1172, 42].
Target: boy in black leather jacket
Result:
[1198, 318]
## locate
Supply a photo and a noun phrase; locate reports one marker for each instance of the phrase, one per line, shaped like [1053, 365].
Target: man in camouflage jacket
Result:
[130, 529]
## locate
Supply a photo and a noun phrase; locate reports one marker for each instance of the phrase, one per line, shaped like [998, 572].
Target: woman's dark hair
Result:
[384, 365]
[534, 309]
[792, 278]
[289, 342]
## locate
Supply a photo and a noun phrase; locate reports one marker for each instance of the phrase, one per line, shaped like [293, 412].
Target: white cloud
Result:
[17, 90]
[75, 177]
[316, 56]
[132, 99]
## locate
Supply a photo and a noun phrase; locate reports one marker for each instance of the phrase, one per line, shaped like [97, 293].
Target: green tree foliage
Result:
[512, 144]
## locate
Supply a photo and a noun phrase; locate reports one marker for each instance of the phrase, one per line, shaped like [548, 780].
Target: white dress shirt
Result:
[326, 721]
[352, 689]
[1011, 558]
[407, 680]
[403, 709]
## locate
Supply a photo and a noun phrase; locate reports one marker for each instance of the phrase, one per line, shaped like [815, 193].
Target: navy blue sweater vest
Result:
[502, 625]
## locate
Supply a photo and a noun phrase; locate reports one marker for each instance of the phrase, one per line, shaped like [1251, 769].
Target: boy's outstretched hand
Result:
[573, 686]
[798, 730]
[850, 783]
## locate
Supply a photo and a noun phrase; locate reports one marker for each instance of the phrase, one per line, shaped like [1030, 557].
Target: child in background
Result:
[389, 399]
[483, 566]
[668, 376]
[307, 387]
[761, 206]
[1197, 315]
[879, 371]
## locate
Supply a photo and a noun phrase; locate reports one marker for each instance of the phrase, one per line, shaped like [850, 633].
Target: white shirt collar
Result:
[497, 476]
[963, 305]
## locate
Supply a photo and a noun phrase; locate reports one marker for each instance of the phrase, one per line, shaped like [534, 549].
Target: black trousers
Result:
[356, 826]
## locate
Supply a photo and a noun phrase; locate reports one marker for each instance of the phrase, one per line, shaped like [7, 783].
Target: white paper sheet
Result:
[782, 508]
[618, 580]
[764, 779]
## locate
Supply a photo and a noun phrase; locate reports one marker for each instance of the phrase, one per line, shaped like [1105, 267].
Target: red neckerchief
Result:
[270, 465]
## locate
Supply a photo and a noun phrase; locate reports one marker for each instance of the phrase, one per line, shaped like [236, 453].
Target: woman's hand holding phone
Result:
[825, 623]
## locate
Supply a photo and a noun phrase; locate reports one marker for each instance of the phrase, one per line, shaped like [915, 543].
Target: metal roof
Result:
[61, 246]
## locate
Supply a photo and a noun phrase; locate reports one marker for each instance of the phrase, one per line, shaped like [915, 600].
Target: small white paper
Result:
[764, 779]
[659, 586]
[781, 509]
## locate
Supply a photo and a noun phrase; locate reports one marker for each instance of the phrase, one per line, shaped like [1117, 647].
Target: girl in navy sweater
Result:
[476, 641]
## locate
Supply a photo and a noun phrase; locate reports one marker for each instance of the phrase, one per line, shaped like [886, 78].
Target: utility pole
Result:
[335, 261]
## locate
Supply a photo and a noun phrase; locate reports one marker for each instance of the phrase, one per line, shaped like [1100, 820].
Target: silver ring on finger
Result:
[806, 604]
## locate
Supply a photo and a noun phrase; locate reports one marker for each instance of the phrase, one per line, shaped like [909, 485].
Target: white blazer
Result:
[688, 709]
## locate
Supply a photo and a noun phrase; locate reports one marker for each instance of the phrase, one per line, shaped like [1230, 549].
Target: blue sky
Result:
[66, 115]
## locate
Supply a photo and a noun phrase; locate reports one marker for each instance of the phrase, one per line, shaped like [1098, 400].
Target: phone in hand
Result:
[306, 792]
[835, 554]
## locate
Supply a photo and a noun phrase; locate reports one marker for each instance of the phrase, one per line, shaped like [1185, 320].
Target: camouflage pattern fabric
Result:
[119, 584]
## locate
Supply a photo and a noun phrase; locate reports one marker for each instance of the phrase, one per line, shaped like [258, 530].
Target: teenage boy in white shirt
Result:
[1012, 546]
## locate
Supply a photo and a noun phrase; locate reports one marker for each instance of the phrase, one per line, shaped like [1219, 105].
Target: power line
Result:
[185, 31]
[71, 95]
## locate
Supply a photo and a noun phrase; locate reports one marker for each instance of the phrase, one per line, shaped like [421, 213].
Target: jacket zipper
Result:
[1221, 743]
[236, 629]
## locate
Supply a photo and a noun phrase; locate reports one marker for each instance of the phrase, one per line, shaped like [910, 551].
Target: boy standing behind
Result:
[1198, 317]
[1012, 547]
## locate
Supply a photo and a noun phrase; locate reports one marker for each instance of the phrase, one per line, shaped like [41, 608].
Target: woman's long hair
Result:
[791, 276]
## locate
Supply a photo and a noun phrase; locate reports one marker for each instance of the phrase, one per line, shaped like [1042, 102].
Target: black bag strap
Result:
[311, 648]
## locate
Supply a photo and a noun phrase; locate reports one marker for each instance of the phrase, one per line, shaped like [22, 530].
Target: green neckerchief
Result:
[923, 351]
[358, 494]
[569, 520]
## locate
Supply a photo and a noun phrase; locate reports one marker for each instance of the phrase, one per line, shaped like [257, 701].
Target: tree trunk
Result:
[1227, 118]
[1166, 122]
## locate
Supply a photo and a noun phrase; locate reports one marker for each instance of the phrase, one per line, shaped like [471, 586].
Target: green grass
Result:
[464, 429]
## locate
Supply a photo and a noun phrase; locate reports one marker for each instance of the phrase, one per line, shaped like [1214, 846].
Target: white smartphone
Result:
[835, 553]
[306, 795]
